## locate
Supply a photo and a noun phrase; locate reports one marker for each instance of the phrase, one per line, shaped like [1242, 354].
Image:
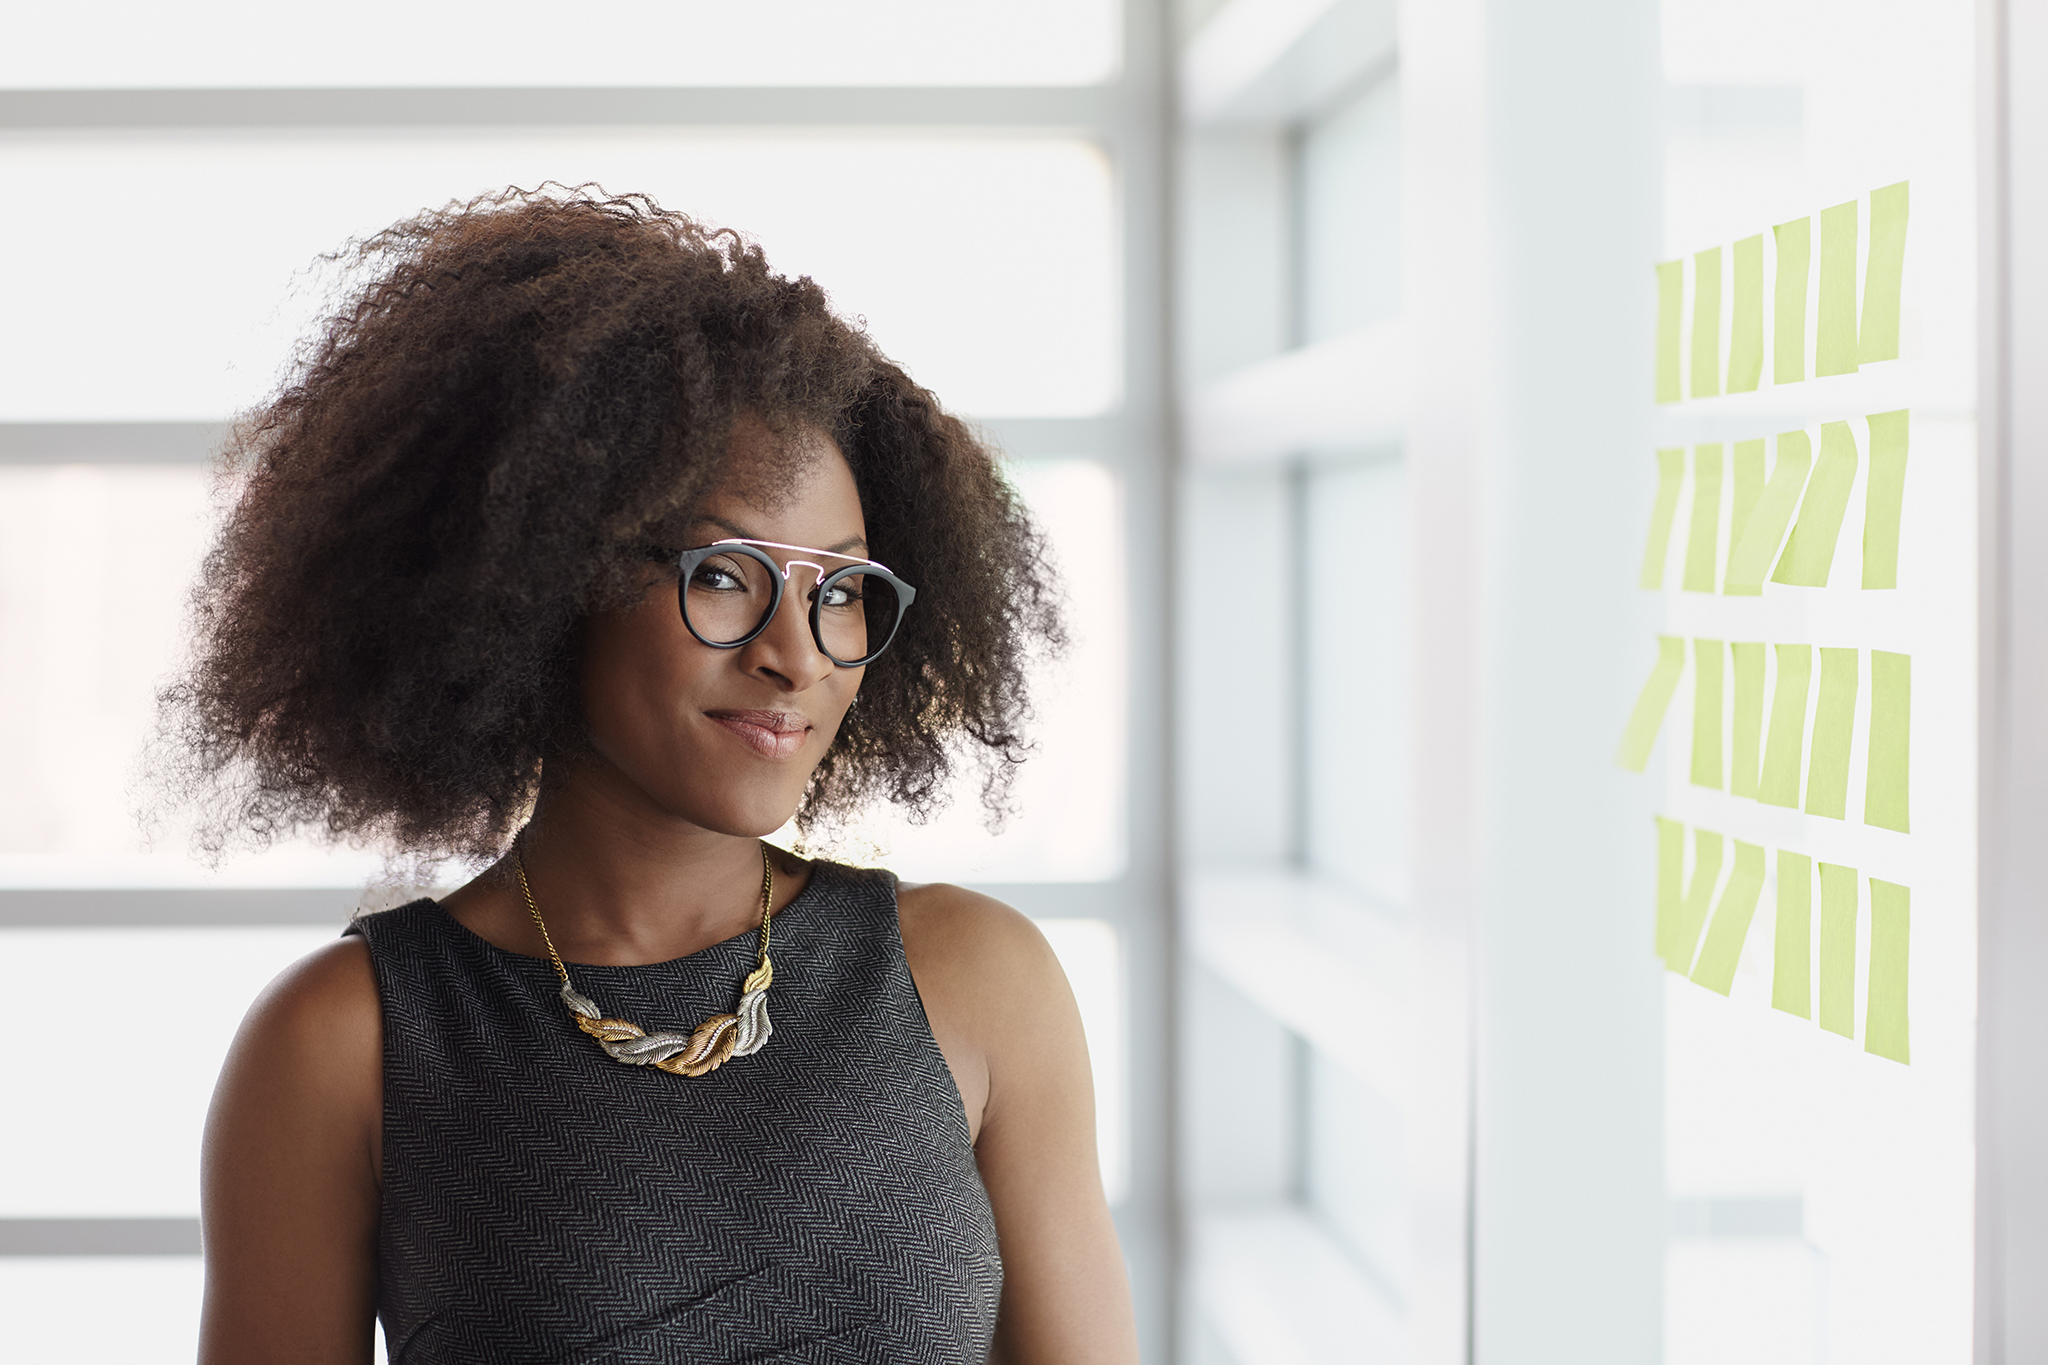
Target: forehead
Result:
[793, 486]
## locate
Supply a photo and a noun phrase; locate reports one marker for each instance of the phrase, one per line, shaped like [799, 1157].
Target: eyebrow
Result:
[740, 532]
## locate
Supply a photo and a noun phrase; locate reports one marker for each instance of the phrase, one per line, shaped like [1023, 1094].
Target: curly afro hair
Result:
[478, 449]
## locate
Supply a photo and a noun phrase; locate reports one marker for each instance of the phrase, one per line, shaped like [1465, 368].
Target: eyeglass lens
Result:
[730, 595]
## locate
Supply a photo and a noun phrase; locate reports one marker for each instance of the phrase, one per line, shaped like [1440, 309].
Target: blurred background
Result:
[1343, 347]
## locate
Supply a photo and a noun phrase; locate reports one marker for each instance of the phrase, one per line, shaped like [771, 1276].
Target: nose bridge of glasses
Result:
[818, 569]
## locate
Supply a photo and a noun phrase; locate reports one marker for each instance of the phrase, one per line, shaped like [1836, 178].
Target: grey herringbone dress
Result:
[817, 1201]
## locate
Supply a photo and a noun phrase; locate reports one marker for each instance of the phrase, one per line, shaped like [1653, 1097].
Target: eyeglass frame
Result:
[688, 561]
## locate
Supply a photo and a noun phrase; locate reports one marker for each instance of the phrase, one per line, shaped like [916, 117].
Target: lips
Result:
[771, 734]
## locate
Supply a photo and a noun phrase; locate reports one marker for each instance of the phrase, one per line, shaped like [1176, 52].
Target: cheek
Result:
[638, 673]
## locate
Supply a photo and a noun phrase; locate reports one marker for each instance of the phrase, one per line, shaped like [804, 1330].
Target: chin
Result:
[747, 819]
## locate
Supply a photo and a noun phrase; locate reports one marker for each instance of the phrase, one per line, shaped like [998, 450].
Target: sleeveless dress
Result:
[816, 1201]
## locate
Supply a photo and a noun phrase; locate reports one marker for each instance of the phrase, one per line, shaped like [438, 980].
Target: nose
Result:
[786, 653]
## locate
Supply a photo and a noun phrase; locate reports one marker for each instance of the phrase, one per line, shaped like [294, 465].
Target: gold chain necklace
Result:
[739, 1034]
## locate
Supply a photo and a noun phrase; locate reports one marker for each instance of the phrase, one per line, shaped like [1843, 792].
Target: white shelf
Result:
[1335, 396]
[1278, 1291]
[1274, 62]
[1327, 964]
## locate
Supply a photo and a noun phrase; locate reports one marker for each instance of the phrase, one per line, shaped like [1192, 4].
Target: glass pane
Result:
[1091, 955]
[1069, 796]
[187, 989]
[985, 265]
[102, 1310]
[1819, 1053]
[1357, 658]
[1350, 169]
[132, 44]
[95, 565]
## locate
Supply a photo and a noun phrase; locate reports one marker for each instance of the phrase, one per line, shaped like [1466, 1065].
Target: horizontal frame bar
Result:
[99, 1236]
[1087, 107]
[180, 907]
[187, 907]
[1026, 438]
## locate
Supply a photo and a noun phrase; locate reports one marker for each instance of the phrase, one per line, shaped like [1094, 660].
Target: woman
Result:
[566, 547]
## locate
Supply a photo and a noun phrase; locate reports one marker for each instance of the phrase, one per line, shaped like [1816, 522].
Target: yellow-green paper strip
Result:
[1684, 938]
[1788, 302]
[1746, 325]
[1838, 949]
[1810, 553]
[1670, 476]
[1779, 784]
[1670, 878]
[1748, 734]
[1884, 496]
[1706, 713]
[1749, 486]
[1706, 323]
[1884, 1027]
[1751, 557]
[1835, 346]
[1634, 753]
[1723, 948]
[1878, 338]
[1792, 957]
[1670, 307]
[1891, 718]
[1702, 541]
[1834, 720]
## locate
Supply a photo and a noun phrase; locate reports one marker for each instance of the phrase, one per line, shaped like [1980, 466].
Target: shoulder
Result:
[975, 941]
[334, 986]
[316, 1031]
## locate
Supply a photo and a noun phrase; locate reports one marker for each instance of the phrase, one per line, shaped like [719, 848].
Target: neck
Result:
[621, 883]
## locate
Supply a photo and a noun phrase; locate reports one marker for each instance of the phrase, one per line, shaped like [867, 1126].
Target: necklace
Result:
[722, 1036]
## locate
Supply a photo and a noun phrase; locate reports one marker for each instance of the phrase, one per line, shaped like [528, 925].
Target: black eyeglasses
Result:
[731, 589]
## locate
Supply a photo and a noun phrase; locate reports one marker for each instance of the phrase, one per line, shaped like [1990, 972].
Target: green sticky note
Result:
[1884, 496]
[1706, 323]
[1746, 321]
[1884, 1027]
[1670, 475]
[1891, 722]
[1651, 703]
[1748, 487]
[1670, 878]
[1779, 784]
[1878, 338]
[1834, 719]
[1751, 556]
[1838, 949]
[1684, 938]
[1702, 542]
[1810, 553]
[1788, 302]
[1792, 952]
[1706, 713]
[1670, 307]
[1835, 344]
[1747, 661]
[1723, 948]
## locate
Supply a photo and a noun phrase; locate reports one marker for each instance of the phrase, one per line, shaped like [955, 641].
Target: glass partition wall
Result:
[1579, 762]
[979, 188]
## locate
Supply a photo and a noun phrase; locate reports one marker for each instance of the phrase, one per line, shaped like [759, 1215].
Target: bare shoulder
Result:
[990, 986]
[331, 990]
[291, 1171]
[976, 941]
[311, 1046]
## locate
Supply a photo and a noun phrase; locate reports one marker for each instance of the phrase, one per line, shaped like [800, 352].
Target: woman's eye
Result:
[717, 578]
[838, 595]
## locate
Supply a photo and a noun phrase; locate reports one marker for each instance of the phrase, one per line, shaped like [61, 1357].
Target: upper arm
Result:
[290, 1178]
[1001, 1006]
